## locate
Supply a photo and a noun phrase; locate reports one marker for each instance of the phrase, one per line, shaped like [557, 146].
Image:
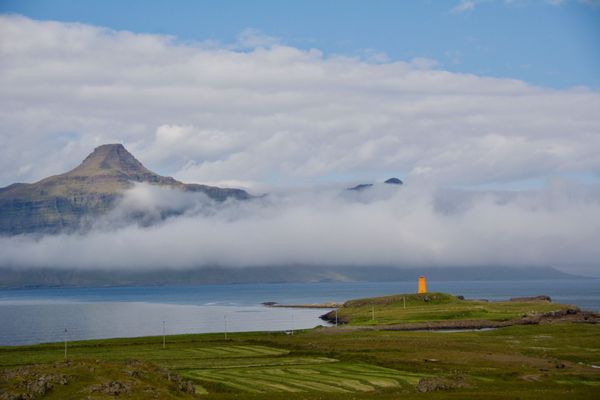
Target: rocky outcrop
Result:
[534, 298]
[88, 379]
[439, 383]
[30, 385]
[112, 388]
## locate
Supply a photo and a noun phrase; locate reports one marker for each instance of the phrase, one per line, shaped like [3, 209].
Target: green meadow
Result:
[436, 307]
[546, 361]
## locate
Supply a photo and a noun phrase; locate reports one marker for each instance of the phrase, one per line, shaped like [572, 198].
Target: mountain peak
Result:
[394, 181]
[65, 202]
[110, 159]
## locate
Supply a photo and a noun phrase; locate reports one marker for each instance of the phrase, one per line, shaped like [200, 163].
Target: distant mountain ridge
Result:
[63, 277]
[60, 202]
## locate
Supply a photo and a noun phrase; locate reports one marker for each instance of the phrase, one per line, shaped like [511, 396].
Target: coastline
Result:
[315, 305]
[570, 315]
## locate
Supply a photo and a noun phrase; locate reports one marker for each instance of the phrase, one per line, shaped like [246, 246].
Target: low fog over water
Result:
[386, 225]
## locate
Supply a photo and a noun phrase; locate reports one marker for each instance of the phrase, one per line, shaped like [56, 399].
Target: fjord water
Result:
[41, 315]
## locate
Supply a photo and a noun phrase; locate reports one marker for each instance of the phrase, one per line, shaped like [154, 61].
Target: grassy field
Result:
[549, 361]
[434, 307]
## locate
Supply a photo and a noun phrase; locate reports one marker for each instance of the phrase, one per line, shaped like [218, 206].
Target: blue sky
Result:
[547, 43]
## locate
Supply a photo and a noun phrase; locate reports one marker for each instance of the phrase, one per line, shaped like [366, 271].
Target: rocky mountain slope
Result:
[61, 202]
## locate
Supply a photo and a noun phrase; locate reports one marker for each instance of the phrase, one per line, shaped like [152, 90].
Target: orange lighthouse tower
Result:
[422, 285]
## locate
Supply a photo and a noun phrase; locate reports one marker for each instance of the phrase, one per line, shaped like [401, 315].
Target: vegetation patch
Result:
[93, 380]
[441, 307]
[323, 377]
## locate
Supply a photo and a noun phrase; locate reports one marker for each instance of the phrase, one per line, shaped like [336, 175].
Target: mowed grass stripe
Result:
[369, 369]
[282, 381]
[217, 352]
[289, 382]
[334, 384]
[306, 384]
[149, 352]
[378, 376]
[312, 380]
[363, 369]
[244, 362]
[146, 352]
[370, 375]
[239, 386]
[263, 350]
[248, 384]
[331, 377]
[356, 380]
[236, 351]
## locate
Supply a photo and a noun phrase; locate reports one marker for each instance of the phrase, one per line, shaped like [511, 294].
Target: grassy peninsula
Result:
[549, 358]
[441, 310]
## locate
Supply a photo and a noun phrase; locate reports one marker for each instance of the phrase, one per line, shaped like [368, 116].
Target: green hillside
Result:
[437, 307]
[525, 362]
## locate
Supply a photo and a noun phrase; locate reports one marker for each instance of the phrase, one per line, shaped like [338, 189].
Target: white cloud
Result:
[468, 5]
[273, 113]
[591, 3]
[387, 225]
[464, 6]
[277, 114]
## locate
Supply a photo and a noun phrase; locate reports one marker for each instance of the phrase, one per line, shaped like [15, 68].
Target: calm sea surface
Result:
[41, 315]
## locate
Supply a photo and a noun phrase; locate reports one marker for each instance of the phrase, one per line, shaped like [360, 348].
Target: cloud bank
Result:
[258, 112]
[385, 226]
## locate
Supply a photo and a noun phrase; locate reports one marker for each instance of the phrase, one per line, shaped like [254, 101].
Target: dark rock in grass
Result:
[533, 298]
[134, 373]
[31, 384]
[181, 385]
[460, 297]
[438, 383]
[186, 387]
[40, 386]
[112, 388]
[13, 396]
